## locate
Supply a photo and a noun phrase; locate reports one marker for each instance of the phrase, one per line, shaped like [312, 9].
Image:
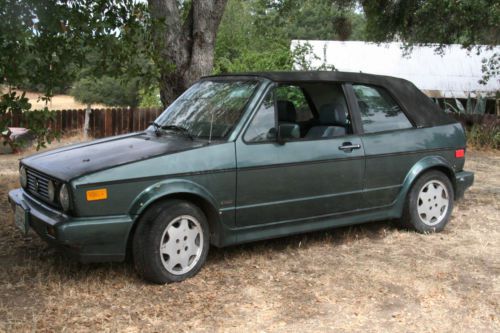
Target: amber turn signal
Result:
[99, 194]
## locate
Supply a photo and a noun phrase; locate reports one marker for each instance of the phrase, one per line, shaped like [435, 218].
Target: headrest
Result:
[334, 113]
[286, 111]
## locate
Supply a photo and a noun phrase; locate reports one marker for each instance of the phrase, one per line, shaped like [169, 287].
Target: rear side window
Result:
[379, 111]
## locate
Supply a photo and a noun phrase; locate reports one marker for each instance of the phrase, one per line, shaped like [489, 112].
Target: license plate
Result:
[20, 219]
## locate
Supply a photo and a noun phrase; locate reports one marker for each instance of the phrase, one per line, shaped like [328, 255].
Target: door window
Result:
[262, 127]
[295, 95]
[379, 111]
[319, 111]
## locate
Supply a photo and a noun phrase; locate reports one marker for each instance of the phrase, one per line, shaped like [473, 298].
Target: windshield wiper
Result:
[156, 127]
[178, 129]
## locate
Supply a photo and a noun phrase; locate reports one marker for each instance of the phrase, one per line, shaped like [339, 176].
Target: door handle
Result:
[348, 146]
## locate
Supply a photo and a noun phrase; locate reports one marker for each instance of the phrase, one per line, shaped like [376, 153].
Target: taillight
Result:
[460, 153]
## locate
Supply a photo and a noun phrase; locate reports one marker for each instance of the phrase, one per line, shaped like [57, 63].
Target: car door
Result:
[302, 178]
[390, 142]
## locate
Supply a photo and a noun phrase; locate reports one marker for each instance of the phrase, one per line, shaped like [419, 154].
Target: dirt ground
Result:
[370, 278]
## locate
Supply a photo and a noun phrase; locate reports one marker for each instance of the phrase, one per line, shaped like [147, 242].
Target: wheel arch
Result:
[421, 167]
[177, 190]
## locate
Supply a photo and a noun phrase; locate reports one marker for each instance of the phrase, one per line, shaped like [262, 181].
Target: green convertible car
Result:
[245, 157]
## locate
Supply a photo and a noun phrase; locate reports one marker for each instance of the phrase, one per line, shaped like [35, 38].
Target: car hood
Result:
[70, 162]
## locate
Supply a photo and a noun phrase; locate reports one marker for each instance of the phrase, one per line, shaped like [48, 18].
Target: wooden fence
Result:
[102, 122]
[108, 122]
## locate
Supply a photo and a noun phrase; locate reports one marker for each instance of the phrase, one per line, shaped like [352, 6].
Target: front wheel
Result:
[171, 242]
[429, 204]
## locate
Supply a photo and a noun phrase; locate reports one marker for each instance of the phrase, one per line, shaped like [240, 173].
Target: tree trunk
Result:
[184, 50]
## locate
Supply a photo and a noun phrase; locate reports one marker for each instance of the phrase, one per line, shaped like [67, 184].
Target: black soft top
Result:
[420, 108]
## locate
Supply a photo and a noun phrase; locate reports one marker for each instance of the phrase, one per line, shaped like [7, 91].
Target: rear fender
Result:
[419, 168]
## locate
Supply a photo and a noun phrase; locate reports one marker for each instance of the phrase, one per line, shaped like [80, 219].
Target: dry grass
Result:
[57, 102]
[371, 278]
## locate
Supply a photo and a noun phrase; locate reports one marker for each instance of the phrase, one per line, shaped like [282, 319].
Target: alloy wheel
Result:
[181, 244]
[433, 202]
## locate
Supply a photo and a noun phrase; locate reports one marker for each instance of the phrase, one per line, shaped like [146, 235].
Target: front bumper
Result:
[463, 180]
[93, 239]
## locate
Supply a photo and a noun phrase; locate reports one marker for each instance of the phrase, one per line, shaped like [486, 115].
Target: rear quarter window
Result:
[379, 111]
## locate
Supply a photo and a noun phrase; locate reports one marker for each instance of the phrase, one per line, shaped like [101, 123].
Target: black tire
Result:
[152, 232]
[420, 221]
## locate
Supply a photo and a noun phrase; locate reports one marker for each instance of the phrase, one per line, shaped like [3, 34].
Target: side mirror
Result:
[287, 132]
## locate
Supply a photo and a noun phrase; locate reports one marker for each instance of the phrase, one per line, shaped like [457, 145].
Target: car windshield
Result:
[209, 109]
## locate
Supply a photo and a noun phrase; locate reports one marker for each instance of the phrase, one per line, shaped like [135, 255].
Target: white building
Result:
[453, 74]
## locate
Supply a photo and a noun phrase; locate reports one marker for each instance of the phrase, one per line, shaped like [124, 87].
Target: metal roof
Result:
[455, 73]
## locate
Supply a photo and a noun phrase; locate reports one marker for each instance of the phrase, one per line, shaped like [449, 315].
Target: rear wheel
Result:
[171, 242]
[430, 203]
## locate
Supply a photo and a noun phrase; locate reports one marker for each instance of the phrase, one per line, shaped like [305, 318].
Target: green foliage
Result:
[255, 35]
[472, 106]
[14, 105]
[108, 46]
[490, 67]
[304, 57]
[37, 121]
[472, 24]
[46, 45]
[485, 135]
[150, 98]
[241, 47]
[106, 90]
[434, 21]
[293, 94]
[313, 20]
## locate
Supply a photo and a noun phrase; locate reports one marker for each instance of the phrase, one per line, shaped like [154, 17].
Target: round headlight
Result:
[64, 197]
[23, 178]
[51, 189]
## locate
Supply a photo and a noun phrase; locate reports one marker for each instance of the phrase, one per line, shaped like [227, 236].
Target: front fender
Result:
[169, 187]
[426, 163]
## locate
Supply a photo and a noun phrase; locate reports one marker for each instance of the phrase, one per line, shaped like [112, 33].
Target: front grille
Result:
[38, 184]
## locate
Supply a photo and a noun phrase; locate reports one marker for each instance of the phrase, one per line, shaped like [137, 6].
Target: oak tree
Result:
[184, 42]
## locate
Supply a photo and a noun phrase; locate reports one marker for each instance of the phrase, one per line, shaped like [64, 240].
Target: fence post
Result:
[130, 120]
[108, 120]
[16, 119]
[86, 122]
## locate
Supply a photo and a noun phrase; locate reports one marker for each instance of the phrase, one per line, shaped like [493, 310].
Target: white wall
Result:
[453, 74]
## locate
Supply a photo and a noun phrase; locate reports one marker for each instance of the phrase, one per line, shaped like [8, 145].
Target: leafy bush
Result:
[472, 106]
[37, 121]
[17, 106]
[484, 135]
[483, 130]
[12, 105]
[150, 98]
[106, 90]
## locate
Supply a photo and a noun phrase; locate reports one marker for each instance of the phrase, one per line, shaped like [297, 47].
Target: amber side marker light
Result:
[99, 194]
[459, 153]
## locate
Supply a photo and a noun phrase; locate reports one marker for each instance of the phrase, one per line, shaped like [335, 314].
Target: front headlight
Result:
[23, 178]
[51, 189]
[64, 197]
